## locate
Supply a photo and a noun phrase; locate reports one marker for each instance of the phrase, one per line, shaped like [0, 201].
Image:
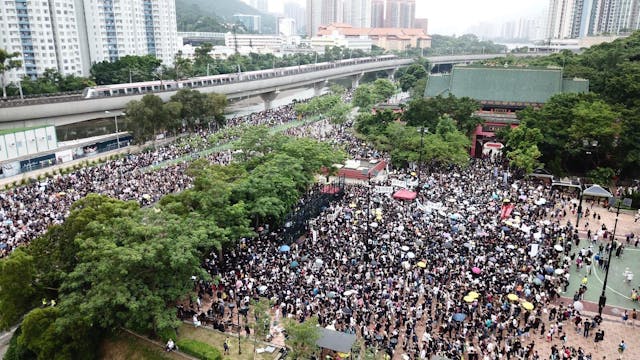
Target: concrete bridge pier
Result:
[392, 73]
[317, 87]
[268, 98]
[355, 80]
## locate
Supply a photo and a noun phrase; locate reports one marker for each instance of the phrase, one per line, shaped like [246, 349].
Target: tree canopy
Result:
[113, 264]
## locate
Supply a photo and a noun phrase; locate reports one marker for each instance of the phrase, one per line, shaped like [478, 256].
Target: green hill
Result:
[216, 16]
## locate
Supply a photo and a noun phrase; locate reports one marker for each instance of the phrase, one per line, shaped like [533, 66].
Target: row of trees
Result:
[442, 144]
[188, 109]
[464, 44]
[366, 96]
[329, 106]
[594, 134]
[112, 264]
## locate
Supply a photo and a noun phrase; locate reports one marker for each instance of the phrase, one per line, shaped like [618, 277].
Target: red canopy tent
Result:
[330, 189]
[404, 194]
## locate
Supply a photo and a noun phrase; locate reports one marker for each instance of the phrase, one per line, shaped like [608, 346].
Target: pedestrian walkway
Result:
[614, 332]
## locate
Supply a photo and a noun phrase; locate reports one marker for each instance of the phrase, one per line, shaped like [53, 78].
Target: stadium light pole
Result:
[603, 298]
[115, 118]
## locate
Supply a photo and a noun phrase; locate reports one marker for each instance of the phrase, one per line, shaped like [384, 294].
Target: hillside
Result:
[214, 15]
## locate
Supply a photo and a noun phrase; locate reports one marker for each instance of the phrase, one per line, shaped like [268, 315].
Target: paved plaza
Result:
[618, 291]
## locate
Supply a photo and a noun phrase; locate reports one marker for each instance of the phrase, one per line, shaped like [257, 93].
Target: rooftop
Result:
[504, 83]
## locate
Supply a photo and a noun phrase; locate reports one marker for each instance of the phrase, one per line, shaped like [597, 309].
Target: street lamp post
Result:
[603, 298]
[239, 328]
[115, 118]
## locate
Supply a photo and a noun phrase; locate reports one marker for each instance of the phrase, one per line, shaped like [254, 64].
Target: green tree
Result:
[8, 61]
[130, 67]
[147, 116]
[383, 89]
[17, 275]
[363, 97]
[200, 109]
[261, 325]
[302, 337]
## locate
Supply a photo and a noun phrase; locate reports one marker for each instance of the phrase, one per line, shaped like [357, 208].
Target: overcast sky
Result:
[448, 17]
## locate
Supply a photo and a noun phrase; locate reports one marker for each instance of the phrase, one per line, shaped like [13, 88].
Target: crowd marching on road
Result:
[27, 211]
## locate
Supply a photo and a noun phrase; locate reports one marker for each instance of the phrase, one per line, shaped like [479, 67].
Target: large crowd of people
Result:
[27, 211]
[448, 274]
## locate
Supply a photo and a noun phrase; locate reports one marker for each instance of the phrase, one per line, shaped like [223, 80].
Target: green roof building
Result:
[504, 87]
[501, 90]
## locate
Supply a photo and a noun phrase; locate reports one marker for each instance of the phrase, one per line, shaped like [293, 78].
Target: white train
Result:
[203, 81]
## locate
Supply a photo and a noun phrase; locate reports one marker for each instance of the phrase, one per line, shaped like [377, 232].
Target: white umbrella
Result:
[374, 224]
[411, 255]
[559, 271]
[578, 305]
[558, 247]
[541, 201]
[404, 248]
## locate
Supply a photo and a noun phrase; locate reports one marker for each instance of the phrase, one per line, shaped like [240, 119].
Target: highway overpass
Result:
[62, 111]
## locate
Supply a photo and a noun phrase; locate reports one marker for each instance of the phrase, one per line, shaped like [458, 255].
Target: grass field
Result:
[216, 339]
[125, 346]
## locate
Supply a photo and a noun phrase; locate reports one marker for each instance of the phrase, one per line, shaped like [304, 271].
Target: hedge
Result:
[199, 349]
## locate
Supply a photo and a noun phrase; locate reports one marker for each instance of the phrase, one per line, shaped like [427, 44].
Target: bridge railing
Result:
[40, 99]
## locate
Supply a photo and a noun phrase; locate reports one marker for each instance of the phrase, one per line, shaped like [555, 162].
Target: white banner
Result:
[64, 156]
[398, 183]
[534, 250]
[383, 189]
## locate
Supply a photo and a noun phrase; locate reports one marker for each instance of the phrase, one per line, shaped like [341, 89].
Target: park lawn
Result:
[124, 346]
[216, 339]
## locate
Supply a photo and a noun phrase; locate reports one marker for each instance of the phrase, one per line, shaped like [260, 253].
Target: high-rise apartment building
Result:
[296, 12]
[377, 13]
[324, 12]
[70, 35]
[579, 18]
[252, 23]
[400, 13]
[117, 28]
[357, 13]
[286, 26]
[45, 33]
[560, 19]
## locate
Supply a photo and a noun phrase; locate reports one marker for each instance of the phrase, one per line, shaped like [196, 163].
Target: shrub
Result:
[166, 334]
[199, 349]
[15, 351]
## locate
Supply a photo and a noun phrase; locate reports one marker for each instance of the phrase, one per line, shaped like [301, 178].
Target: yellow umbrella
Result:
[473, 294]
[468, 299]
[527, 305]
[512, 297]
[421, 264]
[352, 205]
[343, 355]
